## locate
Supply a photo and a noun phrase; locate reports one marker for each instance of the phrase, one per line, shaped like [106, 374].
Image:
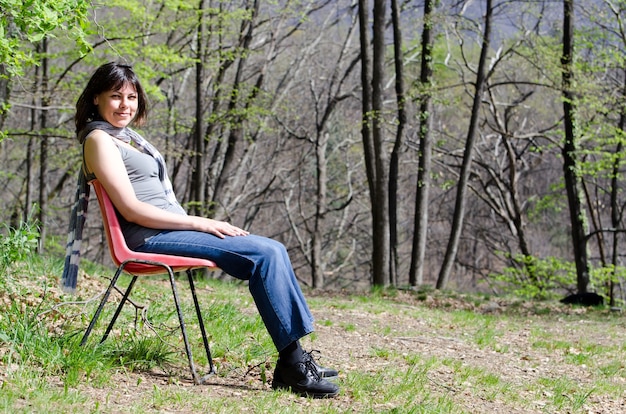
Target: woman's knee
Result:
[271, 248]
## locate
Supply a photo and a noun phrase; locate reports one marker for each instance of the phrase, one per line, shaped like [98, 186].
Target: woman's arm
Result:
[103, 158]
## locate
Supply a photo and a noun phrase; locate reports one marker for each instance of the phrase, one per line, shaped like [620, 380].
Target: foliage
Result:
[18, 243]
[269, 73]
[31, 21]
[537, 278]
[549, 278]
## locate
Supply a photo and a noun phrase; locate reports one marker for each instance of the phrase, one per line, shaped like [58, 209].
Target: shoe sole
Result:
[281, 386]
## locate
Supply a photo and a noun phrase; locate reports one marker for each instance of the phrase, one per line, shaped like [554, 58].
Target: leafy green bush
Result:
[549, 278]
[536, 278]
[18, 243]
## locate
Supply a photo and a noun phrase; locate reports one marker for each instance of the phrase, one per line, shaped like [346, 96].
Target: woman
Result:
[154, 222]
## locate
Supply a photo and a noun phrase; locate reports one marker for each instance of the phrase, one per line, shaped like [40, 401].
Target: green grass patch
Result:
[397, 351]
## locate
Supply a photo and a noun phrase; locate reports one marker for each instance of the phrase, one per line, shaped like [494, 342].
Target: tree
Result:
[285, 143]
[21, 25]
[319, 249]
[600, 94]
[460, 200]
[578, 217]
[420, 229]
[373, 139]
[398, 142]
[25, 23]
[198, 180]
[508, 159]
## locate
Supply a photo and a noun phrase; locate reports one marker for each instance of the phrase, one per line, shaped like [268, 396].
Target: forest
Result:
[458, 144]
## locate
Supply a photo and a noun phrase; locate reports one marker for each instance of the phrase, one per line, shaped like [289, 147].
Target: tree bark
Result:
[569, 151]
[197, 179]
[616, 211]
[43, 150]
[5, 92]
[380, 207]
[317, 269]
[399, 142]
[460, 201]
[420, 229]
[366, 105]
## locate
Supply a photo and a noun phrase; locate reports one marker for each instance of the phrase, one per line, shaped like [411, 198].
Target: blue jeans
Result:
[263, 262]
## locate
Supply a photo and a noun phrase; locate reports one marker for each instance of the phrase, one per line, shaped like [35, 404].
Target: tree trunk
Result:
[616, 215]
[380, 208]
[459, 205]
[366, 98]
[317, 269]
[399, 142]
[237, 108]
[420, 229]
[570, 166]
[43, 150]
[197, 180]
[5, 94]
[29, 155]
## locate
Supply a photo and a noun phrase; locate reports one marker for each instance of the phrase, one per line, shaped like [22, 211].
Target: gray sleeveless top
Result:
[143, 173]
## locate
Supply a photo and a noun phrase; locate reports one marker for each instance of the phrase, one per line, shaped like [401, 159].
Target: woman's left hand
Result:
[219, 228]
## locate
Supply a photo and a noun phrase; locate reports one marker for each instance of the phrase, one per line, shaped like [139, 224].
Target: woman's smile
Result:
[118, 107]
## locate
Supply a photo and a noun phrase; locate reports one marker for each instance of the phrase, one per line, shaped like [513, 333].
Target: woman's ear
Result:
[95, 100]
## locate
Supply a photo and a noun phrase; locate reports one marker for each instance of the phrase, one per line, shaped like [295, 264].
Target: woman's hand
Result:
[218, 228]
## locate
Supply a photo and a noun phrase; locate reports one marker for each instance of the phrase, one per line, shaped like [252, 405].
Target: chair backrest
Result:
[120, 252]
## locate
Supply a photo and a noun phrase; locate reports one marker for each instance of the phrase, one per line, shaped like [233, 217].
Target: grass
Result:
[397, 351]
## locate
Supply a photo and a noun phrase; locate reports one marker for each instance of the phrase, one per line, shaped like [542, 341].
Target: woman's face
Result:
[118, 107]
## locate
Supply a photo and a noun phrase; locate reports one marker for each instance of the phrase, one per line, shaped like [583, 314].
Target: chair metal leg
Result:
[201, 323]
[119, 308]
[104, 300]
[170, 272]
[194, 374]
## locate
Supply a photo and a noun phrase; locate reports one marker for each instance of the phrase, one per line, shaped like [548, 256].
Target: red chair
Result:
[142, 264]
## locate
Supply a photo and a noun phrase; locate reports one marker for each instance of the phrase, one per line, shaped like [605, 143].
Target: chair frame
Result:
[143, 264]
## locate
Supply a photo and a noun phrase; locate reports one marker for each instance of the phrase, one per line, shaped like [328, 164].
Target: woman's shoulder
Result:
[103, 141]
[100, 139]
[98, 135]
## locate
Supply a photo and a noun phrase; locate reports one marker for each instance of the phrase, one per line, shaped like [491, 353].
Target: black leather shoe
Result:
[303, 379]
[328, 373]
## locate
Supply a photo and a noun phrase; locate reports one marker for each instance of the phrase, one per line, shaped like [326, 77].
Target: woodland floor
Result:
[350, 350]
[513, 359]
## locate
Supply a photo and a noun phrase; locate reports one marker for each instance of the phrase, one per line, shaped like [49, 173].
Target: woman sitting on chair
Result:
[152, 221]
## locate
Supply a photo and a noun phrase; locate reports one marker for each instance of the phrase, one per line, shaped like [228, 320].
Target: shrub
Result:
[536, 278]
[18, 243]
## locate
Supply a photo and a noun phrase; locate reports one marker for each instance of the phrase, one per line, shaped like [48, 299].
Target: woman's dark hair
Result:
[109, 77]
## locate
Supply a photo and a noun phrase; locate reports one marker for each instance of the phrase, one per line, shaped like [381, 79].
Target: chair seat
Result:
[177, 263]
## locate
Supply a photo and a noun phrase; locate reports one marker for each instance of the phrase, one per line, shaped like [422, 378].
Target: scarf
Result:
[78, 214]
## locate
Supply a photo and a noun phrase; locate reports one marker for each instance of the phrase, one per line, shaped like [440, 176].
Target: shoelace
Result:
[311, 366]
[308, 355]
[312, 369]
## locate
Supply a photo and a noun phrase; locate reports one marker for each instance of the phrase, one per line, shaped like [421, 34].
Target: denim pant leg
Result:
[263, 262]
